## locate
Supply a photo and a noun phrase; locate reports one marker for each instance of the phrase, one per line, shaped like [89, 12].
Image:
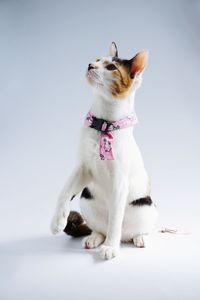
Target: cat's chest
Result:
[90, 149]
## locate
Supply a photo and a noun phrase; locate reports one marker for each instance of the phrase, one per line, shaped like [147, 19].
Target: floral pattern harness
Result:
[105, 128]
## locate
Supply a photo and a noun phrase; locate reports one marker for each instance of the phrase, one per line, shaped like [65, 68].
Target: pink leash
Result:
[173, 231]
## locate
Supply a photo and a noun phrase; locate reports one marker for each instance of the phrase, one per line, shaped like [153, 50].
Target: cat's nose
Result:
[91, 66]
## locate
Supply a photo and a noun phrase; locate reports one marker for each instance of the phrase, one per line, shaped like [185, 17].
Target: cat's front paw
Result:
[108, 252]
[93, 240]
[59, 222]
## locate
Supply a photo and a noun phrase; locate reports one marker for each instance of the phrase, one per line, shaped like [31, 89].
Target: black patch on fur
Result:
[86, 194]
[142, 201]
[73, 197]
[76, 226]
[121, 61]
[115, 48]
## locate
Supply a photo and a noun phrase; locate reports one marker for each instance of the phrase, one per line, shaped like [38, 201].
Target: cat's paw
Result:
[59, 221]
[93, 240]
[139, 241]
[108, 252]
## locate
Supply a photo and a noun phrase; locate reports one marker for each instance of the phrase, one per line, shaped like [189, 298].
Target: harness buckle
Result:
[98, 123]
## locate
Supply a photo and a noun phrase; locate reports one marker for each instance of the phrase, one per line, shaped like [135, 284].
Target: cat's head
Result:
[115, 78]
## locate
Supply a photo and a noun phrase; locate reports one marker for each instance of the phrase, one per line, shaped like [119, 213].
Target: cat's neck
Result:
[113, 111]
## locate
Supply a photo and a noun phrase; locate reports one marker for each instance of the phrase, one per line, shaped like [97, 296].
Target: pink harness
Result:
[106, 128]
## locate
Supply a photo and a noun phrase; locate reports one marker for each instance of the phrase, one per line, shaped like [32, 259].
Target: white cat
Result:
[115, 199]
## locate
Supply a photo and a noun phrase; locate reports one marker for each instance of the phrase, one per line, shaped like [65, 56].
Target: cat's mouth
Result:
[94, 78]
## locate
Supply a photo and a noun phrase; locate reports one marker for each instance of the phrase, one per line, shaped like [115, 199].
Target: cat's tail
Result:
[76, 226]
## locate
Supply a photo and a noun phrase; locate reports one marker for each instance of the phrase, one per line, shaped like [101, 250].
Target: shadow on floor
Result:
[47, 245]
[43, 245]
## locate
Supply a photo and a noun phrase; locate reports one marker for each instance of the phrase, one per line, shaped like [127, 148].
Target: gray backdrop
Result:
[45, 47]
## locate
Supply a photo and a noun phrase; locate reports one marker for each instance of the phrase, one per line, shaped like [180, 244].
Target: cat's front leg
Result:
[78, 180]
[117, 203]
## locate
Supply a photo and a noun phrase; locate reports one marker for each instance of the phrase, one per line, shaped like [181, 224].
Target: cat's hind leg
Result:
[139, 241]
[139, 221]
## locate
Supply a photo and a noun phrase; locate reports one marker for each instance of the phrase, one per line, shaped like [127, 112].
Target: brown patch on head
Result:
[122, 81]
[125, 73]
[106, 62]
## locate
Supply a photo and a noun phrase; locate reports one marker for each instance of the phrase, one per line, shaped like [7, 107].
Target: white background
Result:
[45, 47]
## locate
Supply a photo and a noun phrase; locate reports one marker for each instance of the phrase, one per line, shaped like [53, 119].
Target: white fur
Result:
[93, 240]
[114, 184]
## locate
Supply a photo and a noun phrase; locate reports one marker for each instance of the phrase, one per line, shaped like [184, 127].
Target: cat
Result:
[115, 201]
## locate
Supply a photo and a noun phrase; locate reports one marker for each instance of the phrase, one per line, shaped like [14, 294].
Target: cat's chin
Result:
[99, 88]
[93, 80]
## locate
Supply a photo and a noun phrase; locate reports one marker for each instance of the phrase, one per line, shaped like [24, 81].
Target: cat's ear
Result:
[113, 50]
[138, 62]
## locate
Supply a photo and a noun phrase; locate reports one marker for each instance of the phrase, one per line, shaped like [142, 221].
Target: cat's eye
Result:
[111, 67]
[98, 59]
